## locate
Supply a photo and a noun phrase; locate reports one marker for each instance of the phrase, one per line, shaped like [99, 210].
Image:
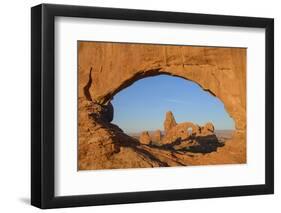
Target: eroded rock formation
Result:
[207, 129]
[156, 136]
[145, 138]
[180, 132]
[220, 71]
[190, 136]
[169, 122]
[107, 68]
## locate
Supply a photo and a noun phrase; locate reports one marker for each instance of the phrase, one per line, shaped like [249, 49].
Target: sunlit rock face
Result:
[187, 135]
[115, 66]
[107, 68]
[156, 136]
[169, 122]
[145, 138]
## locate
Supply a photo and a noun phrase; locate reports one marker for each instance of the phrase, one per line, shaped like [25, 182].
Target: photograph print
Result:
[160, 105]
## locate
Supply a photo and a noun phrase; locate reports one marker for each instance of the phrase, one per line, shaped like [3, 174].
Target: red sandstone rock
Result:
[103, 145]
[207, 129]
[156, 136]
[209, 126]
[220, 71]
[169, 122]
[145, 138]
[179, 132]
[115, 66]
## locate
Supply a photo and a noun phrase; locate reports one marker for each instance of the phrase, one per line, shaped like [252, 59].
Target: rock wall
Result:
[115, 66]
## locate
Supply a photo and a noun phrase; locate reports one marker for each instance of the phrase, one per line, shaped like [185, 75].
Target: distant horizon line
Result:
[164, 130]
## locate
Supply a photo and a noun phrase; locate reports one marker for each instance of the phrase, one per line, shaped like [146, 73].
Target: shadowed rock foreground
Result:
[103, 145]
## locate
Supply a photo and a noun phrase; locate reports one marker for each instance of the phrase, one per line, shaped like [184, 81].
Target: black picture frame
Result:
[43, 111]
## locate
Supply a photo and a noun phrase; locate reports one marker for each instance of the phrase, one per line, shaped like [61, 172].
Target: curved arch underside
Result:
[220, 71]
[115, 66]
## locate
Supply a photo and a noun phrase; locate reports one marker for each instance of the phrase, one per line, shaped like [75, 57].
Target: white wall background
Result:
[15, 105]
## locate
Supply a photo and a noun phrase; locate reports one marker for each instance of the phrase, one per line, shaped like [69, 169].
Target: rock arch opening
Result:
[140, 109]
[106, 70]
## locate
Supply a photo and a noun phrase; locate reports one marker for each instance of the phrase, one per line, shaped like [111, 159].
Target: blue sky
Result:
[143, 105]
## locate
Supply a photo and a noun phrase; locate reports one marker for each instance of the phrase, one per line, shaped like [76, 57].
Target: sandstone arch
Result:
[220, 71]
[181, 131]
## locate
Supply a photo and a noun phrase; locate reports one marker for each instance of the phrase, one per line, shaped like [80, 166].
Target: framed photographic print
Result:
[139, 106]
